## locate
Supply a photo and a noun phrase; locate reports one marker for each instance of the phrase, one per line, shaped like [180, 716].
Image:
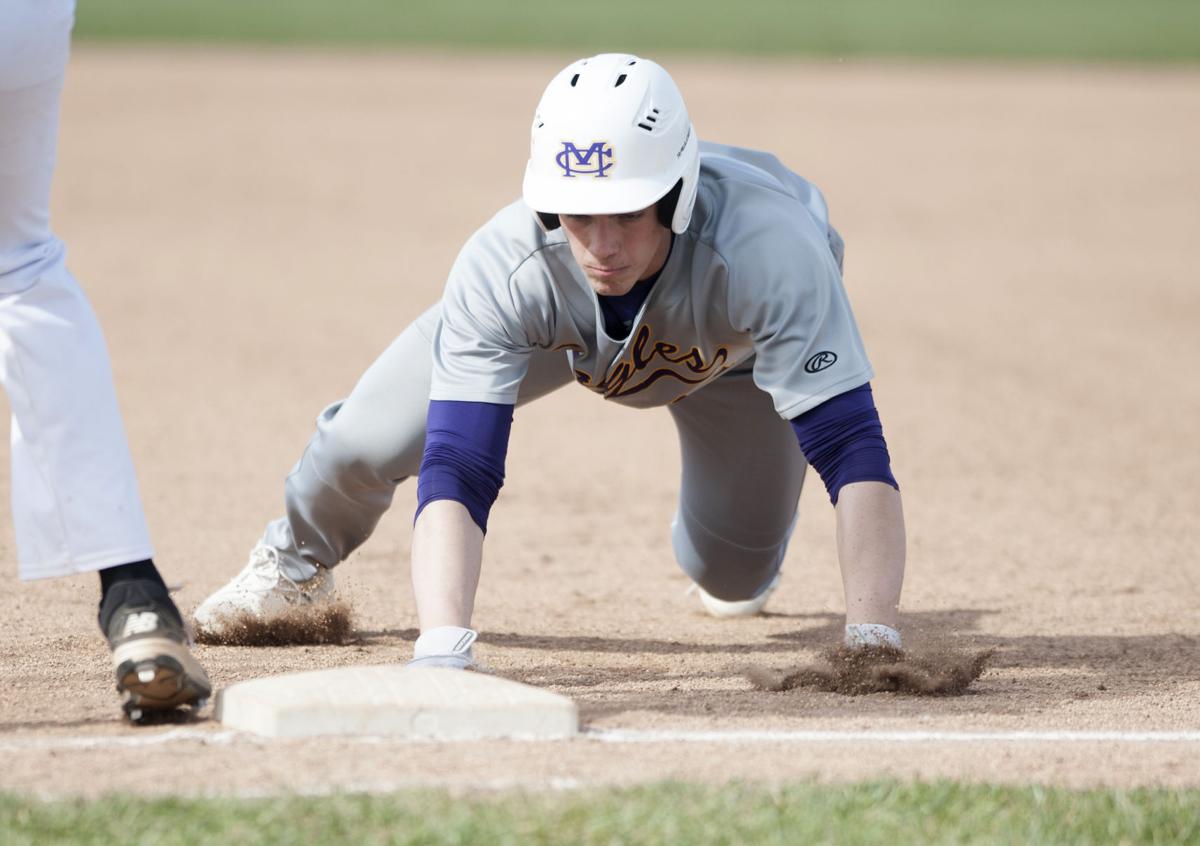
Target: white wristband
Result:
[865, 635]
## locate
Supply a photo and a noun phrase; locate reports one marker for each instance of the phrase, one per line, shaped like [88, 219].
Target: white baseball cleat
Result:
[739, 607]
[262, 590]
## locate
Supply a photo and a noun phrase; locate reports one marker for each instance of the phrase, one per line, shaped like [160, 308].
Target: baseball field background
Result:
[258, 196]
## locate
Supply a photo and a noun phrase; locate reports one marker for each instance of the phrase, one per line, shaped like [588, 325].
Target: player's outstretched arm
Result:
[871, 550]
[447, 552]
[842, 438]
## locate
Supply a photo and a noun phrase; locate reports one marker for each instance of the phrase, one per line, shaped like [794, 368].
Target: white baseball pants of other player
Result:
[76, 505]
[742, 468]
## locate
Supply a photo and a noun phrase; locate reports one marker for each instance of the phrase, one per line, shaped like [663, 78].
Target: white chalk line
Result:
[877, 736]
[213, 738]
[632, 736]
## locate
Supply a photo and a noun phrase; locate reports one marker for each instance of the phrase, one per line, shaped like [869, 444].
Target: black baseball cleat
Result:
[155, 669]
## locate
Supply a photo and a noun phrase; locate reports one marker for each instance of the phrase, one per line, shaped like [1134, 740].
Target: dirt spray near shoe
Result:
[300, 626]
[855, 672]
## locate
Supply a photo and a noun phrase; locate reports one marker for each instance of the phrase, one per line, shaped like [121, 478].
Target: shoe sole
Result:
[725, 609]
[158, 674]
[729, 610]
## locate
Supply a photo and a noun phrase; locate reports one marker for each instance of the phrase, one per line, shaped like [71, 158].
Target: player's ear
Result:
[665, 207]
[549, 221]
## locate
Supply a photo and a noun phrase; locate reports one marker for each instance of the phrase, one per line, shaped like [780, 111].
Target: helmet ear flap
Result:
[665, 207]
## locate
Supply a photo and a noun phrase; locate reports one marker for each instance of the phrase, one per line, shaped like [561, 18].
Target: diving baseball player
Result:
[655, 271]
[75, 500]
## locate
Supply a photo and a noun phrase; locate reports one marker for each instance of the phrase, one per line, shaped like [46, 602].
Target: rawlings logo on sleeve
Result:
[820, 361]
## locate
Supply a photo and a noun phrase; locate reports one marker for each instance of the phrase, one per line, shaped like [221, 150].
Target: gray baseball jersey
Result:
[755, 282]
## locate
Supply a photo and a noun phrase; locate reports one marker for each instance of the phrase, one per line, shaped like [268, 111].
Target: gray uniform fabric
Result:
[366, 445]
[747, 326]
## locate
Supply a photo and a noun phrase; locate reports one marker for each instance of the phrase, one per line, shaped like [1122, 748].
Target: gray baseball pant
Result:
[742, 468]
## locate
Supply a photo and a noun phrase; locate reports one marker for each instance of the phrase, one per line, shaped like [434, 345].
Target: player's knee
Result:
[724, 569]
[348, 457]
[348, 460]
[34, 264]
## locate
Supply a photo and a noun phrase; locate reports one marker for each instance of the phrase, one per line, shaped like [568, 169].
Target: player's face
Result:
[615, 251]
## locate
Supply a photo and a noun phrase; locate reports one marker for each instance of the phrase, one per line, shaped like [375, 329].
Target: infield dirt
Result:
[255, 226]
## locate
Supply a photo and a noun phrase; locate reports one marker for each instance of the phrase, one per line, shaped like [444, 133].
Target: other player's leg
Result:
[741, 481]
[75, 499]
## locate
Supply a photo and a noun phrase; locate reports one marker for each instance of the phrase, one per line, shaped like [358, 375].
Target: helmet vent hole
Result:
[574, 80]
[620, 79]
[649, 121]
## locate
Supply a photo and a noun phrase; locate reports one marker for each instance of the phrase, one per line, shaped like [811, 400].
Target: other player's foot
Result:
[740, 607]
[261, 591]
[155, 669]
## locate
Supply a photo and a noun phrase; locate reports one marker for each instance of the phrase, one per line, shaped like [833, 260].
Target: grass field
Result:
[883, 812]
[1155, 30]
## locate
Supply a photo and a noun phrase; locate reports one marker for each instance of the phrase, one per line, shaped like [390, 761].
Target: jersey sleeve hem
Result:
[813, 400]
[461, 395]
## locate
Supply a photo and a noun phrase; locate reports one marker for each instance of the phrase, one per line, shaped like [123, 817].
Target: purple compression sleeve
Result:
[465, 446]
[842, 439]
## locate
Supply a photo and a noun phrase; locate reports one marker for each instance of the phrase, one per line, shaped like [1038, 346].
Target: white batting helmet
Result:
[611, 135]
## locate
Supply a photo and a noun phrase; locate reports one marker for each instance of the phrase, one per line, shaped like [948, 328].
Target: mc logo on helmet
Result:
[591, 160]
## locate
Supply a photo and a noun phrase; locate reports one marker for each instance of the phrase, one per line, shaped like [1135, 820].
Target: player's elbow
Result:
[451, 471]
[842, 439]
